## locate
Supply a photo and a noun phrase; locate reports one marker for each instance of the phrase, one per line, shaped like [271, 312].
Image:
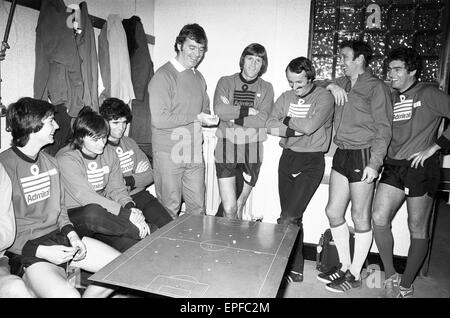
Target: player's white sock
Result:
[341, 237]
[362, 246]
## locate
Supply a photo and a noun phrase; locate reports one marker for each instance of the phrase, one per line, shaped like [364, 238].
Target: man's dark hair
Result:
[258, 50]
[88, 123]
[359, 48]
[25, 117]
[114, 108]
[301, 64]
[194, 32]
[412, 59]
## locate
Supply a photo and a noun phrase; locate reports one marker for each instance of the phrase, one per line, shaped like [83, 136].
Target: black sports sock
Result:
[416, 254]
[385, 244]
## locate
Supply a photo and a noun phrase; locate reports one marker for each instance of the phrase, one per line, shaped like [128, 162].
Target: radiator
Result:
[212, 196]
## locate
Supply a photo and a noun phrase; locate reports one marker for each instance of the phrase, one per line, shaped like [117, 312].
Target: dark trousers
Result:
[94, 221]
[299, 176]
[153, 211]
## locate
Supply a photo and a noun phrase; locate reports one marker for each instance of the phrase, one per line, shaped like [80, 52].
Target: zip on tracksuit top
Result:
[312, 115]
[417, 115]
[241, 95]
[37, 198]
[366, 119]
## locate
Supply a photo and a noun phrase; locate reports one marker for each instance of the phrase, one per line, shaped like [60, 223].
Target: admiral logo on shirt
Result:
[403, 109]
[244, 97]
[37, 187]
[126, 160]
[298, 110]
[96, 177]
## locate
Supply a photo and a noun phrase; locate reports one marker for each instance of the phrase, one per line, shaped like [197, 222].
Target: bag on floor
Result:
[327, 256]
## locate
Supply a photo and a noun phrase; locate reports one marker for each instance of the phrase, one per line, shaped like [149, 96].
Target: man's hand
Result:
[369, 175]
[420, 157]
[138, 220]
[56, 254]
[142, 166]
[252, 111]
[78, 244]
[207, 119]
[340, 95]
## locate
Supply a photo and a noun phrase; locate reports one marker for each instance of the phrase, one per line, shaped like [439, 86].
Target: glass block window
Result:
[384, 24]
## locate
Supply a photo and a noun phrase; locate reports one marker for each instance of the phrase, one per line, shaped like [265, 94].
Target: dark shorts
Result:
[18, 263]
[415, 182]
[351, 163]
[245, 159]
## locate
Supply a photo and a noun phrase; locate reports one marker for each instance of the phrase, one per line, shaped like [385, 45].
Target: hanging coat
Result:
[141, 74]
[58, 66]
[116, 77]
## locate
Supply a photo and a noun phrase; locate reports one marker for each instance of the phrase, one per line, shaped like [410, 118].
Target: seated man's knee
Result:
[94, 214]
[12, 286]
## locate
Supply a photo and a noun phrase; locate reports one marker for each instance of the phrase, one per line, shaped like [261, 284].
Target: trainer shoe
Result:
[391, 286]
[343, 284]
[334, 273]
[294, 277]
[405, 292]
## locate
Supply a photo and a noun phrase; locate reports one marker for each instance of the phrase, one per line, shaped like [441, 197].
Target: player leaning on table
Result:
[411, 169]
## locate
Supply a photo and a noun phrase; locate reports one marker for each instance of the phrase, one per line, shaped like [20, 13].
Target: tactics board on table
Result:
[205, 256]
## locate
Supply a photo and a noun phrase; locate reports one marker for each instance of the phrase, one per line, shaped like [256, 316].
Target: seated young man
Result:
[46, 242]
[95, 194]
[11, 286]
[136, 168]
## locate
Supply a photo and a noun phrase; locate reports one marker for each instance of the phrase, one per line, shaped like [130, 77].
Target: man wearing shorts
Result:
[411, 169]
[363, 125]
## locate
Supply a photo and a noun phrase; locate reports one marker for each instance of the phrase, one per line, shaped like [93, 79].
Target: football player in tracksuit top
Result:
[243, 102]
[411, 168]
[136, 168]
[95, 194]
[303, 118]
[363, 124]
[11, 286]
[46, 241]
